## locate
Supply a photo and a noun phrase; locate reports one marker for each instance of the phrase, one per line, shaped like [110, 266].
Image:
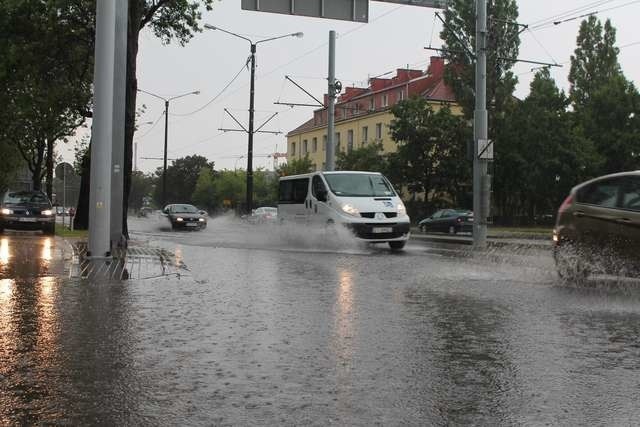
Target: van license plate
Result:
[27, 220]
[382, 230]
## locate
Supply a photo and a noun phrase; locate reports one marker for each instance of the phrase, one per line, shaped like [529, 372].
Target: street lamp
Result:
[251, 102]
[135, 148]
[166, 134]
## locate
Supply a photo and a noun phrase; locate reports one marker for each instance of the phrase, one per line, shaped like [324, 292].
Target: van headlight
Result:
[402, 211]
[6, 211]
[47, 212]
[350, 209]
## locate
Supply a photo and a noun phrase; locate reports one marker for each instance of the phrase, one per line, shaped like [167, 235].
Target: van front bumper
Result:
[381, 232]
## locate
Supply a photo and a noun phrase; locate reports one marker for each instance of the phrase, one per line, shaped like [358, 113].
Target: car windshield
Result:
[359, 185]
[25, 197]
[184, 209]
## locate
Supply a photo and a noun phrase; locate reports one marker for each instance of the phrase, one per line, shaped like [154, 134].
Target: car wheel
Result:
[452, 229]
[396, 246]
[570, 264]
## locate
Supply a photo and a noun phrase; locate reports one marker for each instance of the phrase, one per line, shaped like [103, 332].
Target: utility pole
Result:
[100, 187]
[481, 182]
[164, 164]
[250, 144]
[331, 107]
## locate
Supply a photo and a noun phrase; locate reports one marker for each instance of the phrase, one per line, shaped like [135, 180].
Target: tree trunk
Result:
[49, 168]
[37, 168]
[81, 218]
[135, 16]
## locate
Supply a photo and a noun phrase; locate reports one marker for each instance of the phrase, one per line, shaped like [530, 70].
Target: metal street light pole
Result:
[166, 135]
[253, 45]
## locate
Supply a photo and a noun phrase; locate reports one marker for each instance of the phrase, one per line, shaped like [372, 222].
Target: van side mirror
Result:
[321, 195]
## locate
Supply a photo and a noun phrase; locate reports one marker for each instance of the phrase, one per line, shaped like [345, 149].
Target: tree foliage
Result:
[45, 76]
[367, 158]
[541, 156]
[204, 195]
[182, 176]
[142, 186]
[431, 151]
[459, 36]
[296, 167]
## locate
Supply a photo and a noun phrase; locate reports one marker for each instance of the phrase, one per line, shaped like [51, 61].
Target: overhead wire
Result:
[216, 96]
[152, 126]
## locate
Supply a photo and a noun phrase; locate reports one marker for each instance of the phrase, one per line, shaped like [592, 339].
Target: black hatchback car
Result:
[598, 228]
[27, 210]
[448, 221]
[185, 216]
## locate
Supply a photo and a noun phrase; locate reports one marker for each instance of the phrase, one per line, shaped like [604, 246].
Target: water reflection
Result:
[28, 256]
[4, 251]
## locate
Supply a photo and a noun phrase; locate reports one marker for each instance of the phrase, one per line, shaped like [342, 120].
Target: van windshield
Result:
[359, 185]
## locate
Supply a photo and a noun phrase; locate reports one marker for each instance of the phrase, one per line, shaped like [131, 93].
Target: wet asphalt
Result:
[289, 326]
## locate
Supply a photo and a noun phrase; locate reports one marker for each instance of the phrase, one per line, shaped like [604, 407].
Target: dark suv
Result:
[27, 210]
[598, 228]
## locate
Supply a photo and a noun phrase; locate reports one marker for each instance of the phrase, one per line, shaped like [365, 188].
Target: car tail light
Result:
[565, 205]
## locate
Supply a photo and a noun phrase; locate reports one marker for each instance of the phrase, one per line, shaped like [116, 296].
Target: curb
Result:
[491, 241]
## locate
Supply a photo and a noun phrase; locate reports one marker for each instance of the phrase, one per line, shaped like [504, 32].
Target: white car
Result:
[365, 202]
[264, 214]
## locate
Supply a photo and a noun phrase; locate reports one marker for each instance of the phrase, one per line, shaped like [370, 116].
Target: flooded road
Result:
[291, 327]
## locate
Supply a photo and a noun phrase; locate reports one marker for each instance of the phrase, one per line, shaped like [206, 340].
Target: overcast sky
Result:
[394, 37]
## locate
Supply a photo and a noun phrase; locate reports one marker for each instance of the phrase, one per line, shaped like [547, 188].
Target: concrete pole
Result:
[481, 185]
[102, 131]
[64, 192]
[164, 158]
[119, 104]
[330, 163]
[251, 120]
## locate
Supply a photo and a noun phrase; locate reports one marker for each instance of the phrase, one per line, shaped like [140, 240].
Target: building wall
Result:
[355, 124]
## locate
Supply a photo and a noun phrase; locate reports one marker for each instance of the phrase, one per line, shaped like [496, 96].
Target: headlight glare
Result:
[47, 212]
[6, 211]
[179, 219]
[402, 210]
[350, 209]
[201, 219]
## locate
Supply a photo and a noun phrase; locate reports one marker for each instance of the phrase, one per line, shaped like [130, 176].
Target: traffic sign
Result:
[63, 169]
[347, 10]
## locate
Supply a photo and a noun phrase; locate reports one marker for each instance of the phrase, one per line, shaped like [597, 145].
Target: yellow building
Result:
[363, 115]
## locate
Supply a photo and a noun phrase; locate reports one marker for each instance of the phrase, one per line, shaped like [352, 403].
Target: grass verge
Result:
[66, 233]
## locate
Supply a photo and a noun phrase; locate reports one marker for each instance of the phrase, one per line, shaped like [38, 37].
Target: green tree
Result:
[594, 62]
[604, 101]
[45, 77]
[9, 164]
[459, 36]
[536, 165]
[296, 166]
[265, 188]
[367, 158]
[431, 151]
[182, 176]
[204, 195]
[142, 186]
[230, 186]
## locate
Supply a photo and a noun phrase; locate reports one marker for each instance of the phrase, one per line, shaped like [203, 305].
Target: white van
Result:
[365, 202]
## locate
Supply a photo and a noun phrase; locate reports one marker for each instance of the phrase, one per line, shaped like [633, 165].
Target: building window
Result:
[337, 142]
[379, 131]
[314, 145]
[365, 134]
[305, 148]
[324, 143]
[385, 100]
[400, 95]
[350, 140]
[324, 166]
[372, 104]
[293, 148]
